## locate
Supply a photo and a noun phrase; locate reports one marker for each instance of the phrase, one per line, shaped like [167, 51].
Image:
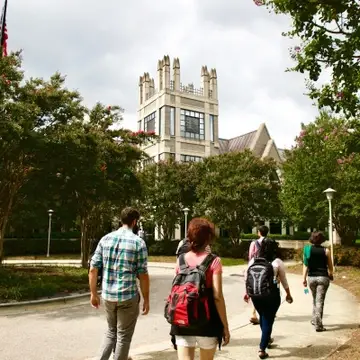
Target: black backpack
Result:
[260, 281]
[185, 247]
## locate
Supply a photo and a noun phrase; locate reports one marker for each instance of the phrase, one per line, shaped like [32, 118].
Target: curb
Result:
[33, 303]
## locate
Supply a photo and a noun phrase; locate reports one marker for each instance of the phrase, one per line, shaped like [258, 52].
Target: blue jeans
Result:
[267, 309]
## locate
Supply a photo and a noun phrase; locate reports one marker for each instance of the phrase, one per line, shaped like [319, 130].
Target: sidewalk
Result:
[294, 336]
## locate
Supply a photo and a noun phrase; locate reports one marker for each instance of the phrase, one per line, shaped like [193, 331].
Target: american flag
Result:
[3, 33]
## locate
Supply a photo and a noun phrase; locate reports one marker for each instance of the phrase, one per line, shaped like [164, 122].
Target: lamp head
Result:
[50, 212]
[186, 210]
[329, 193]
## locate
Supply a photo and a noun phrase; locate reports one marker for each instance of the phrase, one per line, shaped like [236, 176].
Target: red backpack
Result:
[188, 303]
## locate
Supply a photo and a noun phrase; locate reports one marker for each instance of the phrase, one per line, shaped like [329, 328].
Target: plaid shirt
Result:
[122, 255]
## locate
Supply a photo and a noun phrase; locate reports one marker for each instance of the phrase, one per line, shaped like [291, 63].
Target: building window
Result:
[190, 158]
[149, 122]
[139, 125]
[192, 124]
[160, 110]
[149, 161]
[172, 121]
[212, 123]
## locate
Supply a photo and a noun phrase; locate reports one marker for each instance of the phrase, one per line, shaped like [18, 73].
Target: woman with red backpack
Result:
[196, 307]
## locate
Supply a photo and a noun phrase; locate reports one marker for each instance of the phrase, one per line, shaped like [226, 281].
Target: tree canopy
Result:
[323, 158]
[329, 41]
[237, 189]
[72, 156]
[167, 188]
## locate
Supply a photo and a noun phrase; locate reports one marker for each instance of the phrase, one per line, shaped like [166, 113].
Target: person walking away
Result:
[263, 278]
[185, 246]
[253, 251]
[318, 270]
[198, 275]
[123, 257]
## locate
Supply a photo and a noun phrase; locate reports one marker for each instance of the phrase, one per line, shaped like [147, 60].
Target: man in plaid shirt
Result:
[123, 257]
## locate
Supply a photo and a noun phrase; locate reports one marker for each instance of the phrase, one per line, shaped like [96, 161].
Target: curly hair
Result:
[201, 232]
[317, 238]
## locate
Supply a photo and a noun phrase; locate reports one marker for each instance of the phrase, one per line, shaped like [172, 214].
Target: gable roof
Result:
[238, 143]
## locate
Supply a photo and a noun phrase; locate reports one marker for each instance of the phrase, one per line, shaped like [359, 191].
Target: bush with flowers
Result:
[323, 157]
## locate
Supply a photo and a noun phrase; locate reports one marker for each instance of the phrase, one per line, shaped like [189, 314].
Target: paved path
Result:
[75, 332]
[295, 337]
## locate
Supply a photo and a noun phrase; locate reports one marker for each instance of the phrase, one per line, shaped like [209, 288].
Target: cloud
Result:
[103, 47]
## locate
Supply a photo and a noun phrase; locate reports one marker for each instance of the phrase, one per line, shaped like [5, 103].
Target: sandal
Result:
[271, 341]
[263, 354]
[321, 329]
[254, 321]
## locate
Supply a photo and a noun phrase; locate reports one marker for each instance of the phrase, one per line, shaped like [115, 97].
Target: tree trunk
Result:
[2, 238]
[4, 217]
[347, 232]
[85, 245]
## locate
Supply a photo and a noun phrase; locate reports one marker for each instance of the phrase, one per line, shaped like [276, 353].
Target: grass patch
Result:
[44, 257]
[31, 283]
[348, 278]
[172, 260]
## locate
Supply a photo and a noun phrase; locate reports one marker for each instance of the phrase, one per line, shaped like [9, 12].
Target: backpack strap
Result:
[182, 263]
[206, 262]
[257, 244]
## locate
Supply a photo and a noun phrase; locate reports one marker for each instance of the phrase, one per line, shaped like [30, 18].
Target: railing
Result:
[190, 89]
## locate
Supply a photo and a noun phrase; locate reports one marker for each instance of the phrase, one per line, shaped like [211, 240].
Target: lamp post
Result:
[330, 195]
[186, 212]
[50, 212]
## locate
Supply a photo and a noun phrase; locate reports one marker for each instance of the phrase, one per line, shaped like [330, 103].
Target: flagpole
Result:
[3, 25]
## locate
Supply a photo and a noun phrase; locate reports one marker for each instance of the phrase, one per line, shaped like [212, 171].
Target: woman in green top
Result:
[317, 271]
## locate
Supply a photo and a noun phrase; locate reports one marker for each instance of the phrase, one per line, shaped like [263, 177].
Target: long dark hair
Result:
[269, 250]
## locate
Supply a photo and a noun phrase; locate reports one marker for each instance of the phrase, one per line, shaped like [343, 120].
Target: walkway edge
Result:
[63, 299]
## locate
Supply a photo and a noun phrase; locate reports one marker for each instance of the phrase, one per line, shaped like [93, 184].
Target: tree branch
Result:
[340, 32]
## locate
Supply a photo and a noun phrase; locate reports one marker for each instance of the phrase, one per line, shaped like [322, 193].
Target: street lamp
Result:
[330, 195]
[50, 212]
[186, 212]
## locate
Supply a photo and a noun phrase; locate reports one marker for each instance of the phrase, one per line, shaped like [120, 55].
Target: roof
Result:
[281, 154]
[238, 143]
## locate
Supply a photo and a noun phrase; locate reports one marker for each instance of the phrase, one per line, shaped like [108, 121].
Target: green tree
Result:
[322, 158]
[328, 32]
[167, 188]
[236, 189]
[30, 111]
[95, 165]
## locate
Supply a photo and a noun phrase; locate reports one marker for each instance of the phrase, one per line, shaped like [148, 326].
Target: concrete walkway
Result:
[295, 337]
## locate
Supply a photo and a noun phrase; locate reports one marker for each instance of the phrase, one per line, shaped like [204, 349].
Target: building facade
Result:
[184, 117]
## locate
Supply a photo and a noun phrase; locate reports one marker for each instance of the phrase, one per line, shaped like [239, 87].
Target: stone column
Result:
[283, 228]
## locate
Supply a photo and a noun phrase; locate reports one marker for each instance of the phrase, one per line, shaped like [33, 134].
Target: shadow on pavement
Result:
[309, 352]
[334, 327]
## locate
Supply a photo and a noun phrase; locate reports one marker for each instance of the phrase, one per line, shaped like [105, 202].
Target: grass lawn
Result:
[163, 259]
[172, 260]
[348, 278]
[29, 283]
[43, 257]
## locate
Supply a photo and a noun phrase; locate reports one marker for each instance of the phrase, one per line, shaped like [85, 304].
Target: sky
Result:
[104, 46]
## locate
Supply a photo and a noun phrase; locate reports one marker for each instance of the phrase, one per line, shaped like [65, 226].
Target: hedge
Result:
[58, 235]
[36, 247]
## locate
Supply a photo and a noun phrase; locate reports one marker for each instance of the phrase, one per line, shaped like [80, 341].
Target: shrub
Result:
[36, 247]
[163, 248]
[347, 256]
[223, 247]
